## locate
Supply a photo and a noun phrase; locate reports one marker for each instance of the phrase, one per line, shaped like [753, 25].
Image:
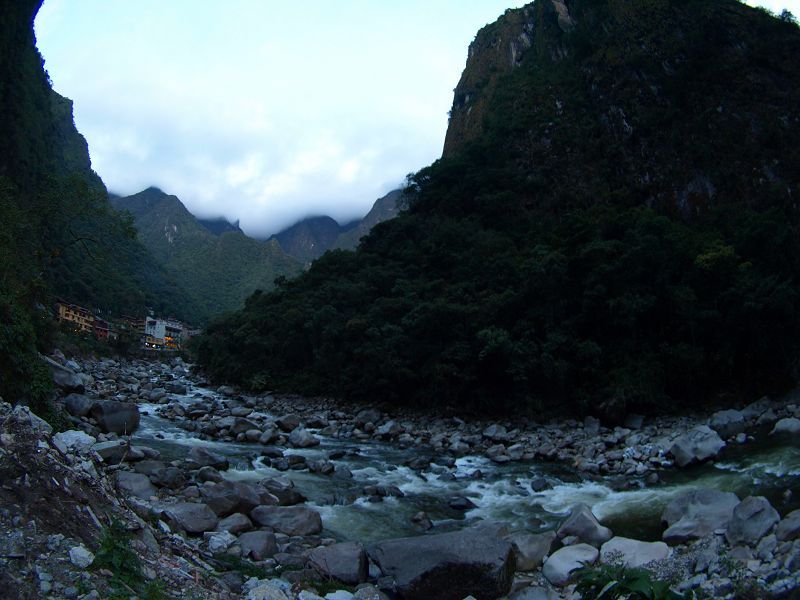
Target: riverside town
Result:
[152, 333]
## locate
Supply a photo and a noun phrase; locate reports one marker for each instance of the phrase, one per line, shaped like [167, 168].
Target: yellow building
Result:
[82, 319]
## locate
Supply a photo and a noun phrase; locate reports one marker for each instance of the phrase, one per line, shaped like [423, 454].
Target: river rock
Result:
[291, 520]
[752, 519]
[259, 545]
[530, 549]
[346, 562]
[78, 405]
[559, 567]
[302, 438]
[116, 417]
[633, 553]
[192, 517]
[368, 415]
[727, 423]
[236, 523]
[75, 441]
[80, 557]
[789, 528]
[583, 525]
[174, 387]
[697, 513]
[170, 477]
[790, 426]
[241, 425]
[200, 457]
[448, 566]
[112, 452]
[64, 378]
[496, 433]
[288, 423]
[135, 484]
[697, 445]
[228, 497]
[283, 490]
[226, 390]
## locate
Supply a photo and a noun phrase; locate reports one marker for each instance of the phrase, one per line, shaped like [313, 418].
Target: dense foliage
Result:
[218, 272]
[621, 233]
[60, 237]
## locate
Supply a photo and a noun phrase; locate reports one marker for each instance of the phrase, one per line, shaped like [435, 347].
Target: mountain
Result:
[612, 227]
[60, 236]
[385, 208]
[310, 238]
[219, 226]
[218, 271]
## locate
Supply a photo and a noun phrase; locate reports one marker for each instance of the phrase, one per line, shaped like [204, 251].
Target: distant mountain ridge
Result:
[219, 225]
[219, 271]
[312, 237]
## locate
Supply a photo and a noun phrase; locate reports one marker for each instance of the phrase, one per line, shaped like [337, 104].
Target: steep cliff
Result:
[613, 226]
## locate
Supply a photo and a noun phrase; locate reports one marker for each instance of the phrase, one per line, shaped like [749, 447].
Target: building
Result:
[103, 330]
[80, 318]
[162, 334]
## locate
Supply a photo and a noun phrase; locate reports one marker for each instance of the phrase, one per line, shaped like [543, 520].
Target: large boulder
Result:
[302, 438]
[789, 528]
[633, 553]
[696, 514]
[259, 545]
[582, 524]
[199, 457]
[228, 497]
[116, 417]
[74, 441]
[531, 548]
[789, 426]
[78, 405]
[63, 377]
[135, 484]
[283, 490]
[697, 445]
[727, 423]
[752, 519]
[559, 568]
[291, 520]
[191, 517]
[346, 562]
[112, 452]
[288, 423]
[448, 566]
[236, 523]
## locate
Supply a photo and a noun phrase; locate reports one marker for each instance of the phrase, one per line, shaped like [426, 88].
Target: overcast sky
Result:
[265, 111]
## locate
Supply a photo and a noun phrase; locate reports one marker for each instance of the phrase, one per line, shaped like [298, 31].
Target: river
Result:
[767, 467]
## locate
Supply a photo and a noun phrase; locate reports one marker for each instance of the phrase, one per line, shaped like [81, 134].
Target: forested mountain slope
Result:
[217, 271]
[613, 226]
[60, 235]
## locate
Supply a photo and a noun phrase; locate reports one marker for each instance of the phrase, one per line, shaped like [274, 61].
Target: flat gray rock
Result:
[135, 484]
[448, 566]
[192, 517]
[291, 520]
[633, 553]
[559, 567]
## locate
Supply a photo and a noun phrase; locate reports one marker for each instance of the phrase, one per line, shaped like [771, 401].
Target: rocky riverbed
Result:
[310, 494]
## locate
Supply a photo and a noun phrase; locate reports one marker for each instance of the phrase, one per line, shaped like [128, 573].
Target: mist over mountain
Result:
[218, 270]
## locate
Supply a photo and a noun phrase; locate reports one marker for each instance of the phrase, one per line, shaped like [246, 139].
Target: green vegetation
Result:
[609, 581]
[620, 234]
[116, 555]
[60, 237]
[218, 272]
